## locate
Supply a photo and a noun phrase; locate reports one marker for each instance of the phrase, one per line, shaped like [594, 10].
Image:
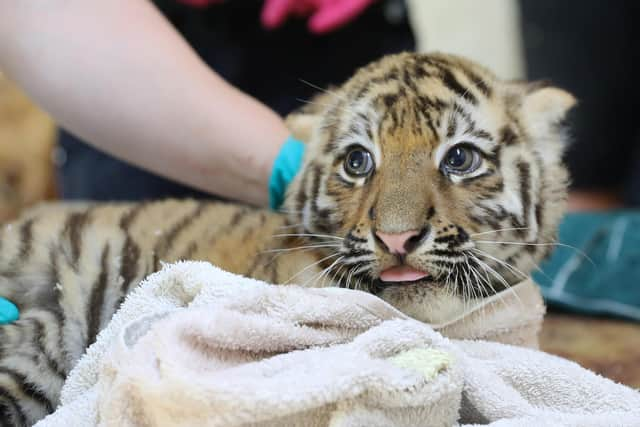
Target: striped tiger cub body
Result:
[69, 267]
[427, 181]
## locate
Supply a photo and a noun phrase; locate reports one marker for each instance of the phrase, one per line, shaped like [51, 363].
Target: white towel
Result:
[194, 345]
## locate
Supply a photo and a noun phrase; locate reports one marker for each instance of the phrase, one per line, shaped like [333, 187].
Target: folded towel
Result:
[598, 272]
[198, 346]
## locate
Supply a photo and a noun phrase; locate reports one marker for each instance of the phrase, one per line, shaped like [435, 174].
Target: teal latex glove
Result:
[285, 167]
[8, 311]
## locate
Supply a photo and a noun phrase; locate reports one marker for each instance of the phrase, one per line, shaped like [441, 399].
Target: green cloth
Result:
[602, 274]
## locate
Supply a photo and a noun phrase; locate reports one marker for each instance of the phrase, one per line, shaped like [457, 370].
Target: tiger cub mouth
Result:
[402, 274]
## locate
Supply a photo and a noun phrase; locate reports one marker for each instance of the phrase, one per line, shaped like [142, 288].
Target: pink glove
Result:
[326, 15]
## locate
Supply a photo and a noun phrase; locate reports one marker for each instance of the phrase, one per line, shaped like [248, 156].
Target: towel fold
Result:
[597, 269]
[194, 345]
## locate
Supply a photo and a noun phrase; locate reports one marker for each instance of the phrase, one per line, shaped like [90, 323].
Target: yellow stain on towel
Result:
[429, 362]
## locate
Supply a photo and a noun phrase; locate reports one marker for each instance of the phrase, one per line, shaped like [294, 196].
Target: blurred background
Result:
[589, 47]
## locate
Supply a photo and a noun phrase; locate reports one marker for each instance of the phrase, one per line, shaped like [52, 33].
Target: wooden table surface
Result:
[609, 347]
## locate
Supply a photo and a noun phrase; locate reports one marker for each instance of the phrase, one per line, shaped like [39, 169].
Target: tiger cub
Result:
[427, 181]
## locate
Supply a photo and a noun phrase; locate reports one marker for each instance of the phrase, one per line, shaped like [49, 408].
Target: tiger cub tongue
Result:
[402, 273]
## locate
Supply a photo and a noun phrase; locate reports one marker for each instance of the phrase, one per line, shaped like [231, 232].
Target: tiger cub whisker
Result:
[564, 245]
[301, 247]
[504, 263]
[307, 267]
[500, 230]
[322, 273]
[326, 236]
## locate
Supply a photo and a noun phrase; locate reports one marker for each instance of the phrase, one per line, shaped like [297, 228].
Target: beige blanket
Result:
[197, 346]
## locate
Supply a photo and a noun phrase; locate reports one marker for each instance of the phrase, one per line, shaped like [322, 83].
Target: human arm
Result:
[119, 76]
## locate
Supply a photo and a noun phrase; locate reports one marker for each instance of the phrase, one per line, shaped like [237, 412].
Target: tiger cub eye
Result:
[460, 160]
[358, 162]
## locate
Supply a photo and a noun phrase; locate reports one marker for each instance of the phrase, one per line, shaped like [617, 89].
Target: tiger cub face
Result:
[441, 183]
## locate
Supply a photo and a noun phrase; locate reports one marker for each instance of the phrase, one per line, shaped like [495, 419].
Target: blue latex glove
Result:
[8, 311]
[285, 167]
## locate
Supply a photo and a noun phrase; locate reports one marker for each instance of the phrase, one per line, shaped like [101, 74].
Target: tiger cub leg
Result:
[32, 367]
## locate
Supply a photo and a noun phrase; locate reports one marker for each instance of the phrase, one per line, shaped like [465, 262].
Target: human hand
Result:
[325, 15]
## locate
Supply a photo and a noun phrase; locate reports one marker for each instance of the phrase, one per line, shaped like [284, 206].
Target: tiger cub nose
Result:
[401, 243]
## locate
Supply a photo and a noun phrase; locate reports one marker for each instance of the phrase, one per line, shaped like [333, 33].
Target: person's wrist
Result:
[285, 167]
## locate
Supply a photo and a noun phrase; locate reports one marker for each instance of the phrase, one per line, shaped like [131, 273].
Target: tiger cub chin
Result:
[426, 181]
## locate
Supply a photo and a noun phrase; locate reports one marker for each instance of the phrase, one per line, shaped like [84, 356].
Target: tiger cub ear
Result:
[543, 109]
[302, 121]
[545, 105]
[301, 125]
